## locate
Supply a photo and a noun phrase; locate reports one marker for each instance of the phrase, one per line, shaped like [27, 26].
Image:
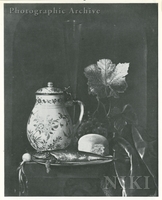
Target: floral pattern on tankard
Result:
[49, 126]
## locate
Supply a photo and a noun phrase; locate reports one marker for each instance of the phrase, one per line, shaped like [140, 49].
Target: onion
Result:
[26, 157]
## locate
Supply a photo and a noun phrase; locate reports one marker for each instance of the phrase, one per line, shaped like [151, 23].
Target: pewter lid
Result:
[49, 90]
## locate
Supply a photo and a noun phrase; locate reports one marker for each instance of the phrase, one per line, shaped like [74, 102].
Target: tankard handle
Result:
[81, 105]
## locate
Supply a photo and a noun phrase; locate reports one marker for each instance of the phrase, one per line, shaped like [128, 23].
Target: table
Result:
[86, 180]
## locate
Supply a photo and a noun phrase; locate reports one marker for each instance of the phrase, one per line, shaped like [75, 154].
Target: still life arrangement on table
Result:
[93, 139]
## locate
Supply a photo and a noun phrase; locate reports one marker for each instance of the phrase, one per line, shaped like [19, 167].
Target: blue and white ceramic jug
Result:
[49, 126]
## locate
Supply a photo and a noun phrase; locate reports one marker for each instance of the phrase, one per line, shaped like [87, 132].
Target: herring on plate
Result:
[64, 156]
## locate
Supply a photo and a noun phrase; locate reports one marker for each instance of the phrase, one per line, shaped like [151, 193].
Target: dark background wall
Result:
[46, 48]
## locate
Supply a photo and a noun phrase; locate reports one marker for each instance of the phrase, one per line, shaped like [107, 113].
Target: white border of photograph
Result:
[159, 2]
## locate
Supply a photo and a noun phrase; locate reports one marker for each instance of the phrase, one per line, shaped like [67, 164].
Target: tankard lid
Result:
[49, 90]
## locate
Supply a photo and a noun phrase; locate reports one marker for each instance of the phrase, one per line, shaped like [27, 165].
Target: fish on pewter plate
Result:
[60, 157]
[63, 156]
[43, 157]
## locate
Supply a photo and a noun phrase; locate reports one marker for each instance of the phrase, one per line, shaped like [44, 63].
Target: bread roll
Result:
[94, 143]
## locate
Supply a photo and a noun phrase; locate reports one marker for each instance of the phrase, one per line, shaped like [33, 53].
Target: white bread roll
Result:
[94, 143]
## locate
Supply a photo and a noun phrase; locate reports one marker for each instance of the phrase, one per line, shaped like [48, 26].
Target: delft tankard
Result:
[49, 126]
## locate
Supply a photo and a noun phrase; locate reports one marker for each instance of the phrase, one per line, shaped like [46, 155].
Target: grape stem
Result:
[108, 113]
[98, 104]
[104, 107]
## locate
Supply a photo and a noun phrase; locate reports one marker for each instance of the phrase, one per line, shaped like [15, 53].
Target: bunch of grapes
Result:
[91, 125]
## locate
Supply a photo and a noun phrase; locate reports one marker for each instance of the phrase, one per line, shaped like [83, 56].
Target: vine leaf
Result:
[127, 116]
[115, 111]
[106, 79]
[119, 123]
[128, 165]
[140, 144]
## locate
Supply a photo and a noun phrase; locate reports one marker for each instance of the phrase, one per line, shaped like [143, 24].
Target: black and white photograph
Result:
[81, 99]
